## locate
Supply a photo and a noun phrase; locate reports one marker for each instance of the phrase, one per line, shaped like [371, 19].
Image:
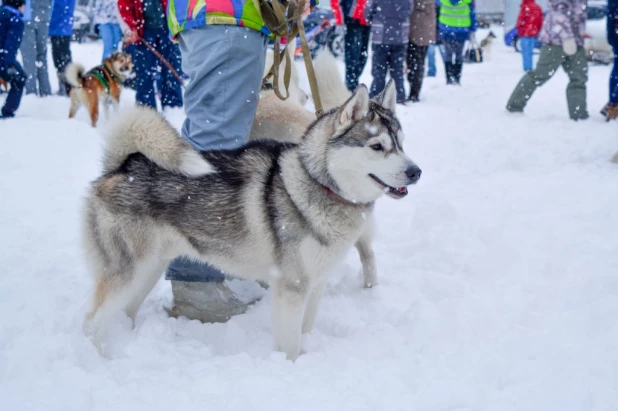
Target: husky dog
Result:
[486, 44]
[286, 121]
[102, 83]
[282, 213]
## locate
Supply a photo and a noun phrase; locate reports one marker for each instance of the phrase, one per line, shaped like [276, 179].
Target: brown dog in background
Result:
[102, 83]
[4, 85]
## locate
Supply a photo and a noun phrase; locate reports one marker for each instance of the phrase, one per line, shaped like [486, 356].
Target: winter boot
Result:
[610, 111]
[208, 302]
[448, 68]
[414, 92]
[457, 67]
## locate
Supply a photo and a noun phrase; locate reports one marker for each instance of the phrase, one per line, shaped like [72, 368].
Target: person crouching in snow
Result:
[11, 33]
[390, 30]
[529, 23]
[562, 36]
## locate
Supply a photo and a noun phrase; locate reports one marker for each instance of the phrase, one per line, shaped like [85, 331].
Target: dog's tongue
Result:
[402, 190]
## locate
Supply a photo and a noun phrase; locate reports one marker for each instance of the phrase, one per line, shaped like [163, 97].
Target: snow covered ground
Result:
[498, 274]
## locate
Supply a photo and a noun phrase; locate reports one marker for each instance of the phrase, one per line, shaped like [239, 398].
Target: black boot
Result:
[415, 90]
[457, 67]
[448, 68]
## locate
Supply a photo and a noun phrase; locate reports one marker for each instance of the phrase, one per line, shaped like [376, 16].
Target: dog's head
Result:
[121, 64]
[356, 150]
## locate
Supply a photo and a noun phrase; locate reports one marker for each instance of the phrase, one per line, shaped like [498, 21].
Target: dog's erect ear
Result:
[388, 98]
[356, 107]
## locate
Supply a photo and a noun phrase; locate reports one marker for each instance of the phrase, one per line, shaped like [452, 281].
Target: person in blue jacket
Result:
[60, 31]
[456, 24]
[11, 33]
[610, 111]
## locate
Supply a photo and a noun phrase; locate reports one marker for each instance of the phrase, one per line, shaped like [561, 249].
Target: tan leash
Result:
[313, 83]
[293, 26]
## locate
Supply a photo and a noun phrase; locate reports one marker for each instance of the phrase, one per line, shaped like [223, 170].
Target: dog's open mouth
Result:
[395, 192]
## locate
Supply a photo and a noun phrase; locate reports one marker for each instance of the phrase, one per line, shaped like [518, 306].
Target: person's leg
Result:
[41, 59]
[116, 36]
[527, 46]
[416, 68]
[225, 66]
[365, 33]
[431, 60]
[222, 95]
[576, 67]
[396, 59]
[458, 50]
[145, 65]
[171, 93]
[28, 54]
[105, 31]
[16, 77]
[550, 59]
[613, 79]
[449, 57]
[352, 53]
[379, 65]
[61, 54]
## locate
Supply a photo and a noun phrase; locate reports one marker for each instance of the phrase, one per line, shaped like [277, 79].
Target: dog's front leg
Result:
[313, 303]
[290, 298]
[367, 256]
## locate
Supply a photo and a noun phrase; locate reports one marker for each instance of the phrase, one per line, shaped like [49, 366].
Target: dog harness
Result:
[99, 74]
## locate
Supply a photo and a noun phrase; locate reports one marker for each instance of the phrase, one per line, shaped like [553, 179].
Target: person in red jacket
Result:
[529, 24]
[351, 14]
[146, 20]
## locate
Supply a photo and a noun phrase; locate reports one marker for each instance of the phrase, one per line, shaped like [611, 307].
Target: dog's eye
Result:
[377, 147]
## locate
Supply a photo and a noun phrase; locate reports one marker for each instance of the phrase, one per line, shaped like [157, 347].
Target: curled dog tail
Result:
[74, 74]
[333, 90]
[143, 130]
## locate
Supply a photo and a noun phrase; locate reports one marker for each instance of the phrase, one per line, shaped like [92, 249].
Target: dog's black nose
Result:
[414, 173]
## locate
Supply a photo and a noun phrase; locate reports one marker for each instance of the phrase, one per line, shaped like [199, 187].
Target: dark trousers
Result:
[147, 66]
[61, 54]
[388, 58]
[16, 77]
[613, 79]
[453, 60]
[416, 68]
[356, 43]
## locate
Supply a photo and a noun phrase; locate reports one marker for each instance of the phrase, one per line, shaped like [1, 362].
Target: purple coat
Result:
[565, 19]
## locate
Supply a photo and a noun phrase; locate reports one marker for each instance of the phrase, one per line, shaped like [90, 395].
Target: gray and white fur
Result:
[276, 212]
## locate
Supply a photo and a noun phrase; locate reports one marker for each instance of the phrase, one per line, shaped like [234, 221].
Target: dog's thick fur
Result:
[287, 120]
[87, 89]
[276, 212]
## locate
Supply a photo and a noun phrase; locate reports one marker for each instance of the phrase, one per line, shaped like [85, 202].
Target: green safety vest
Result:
[455, 15]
